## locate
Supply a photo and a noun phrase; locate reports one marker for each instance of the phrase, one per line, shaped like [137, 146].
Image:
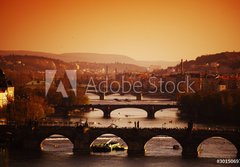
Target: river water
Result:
[57, 150]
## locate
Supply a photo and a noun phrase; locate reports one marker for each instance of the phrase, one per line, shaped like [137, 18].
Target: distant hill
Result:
[40, 63]
[21, 69]
[225, 62]
[226, 58]
[91, 57]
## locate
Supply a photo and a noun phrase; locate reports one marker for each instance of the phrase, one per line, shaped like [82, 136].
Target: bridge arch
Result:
[92, 95]
[123, 113]
[105, 137]
[161, 112]
[104, 110]
[216, 143]
[69, 141]
[169, 146]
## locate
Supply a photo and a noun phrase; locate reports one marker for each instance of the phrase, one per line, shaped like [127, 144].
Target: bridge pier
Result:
[139, 96]
[189, 151]
[135, 148]
[150, 114]
[101, 96]
[106, 113]
[31, 144]
[81, 148]
[81, 143]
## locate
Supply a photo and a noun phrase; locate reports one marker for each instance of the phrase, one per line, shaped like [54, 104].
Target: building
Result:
[230, 82]
[222, 87]
[6, 90]
[35, 84]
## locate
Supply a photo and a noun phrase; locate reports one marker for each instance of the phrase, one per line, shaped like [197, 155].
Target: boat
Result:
[116, 99]
[176, 147]
[100, 148]
[127, 100]
[119, 148]
[109, 146]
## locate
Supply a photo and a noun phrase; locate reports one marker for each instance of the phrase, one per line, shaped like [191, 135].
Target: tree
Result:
[222, 107]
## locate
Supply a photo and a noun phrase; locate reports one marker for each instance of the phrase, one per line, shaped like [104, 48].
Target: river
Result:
[57, 150]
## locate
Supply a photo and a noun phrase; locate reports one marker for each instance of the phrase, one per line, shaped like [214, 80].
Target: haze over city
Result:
[144, 30]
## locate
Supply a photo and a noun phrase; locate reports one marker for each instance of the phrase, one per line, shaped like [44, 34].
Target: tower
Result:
[182, 66]
[116, 72]
[106, 74]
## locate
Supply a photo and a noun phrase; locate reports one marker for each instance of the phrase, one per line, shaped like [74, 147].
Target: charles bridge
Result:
[30, 137]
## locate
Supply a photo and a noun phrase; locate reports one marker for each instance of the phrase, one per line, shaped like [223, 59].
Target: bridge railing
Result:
[75, 124]
[59, 123]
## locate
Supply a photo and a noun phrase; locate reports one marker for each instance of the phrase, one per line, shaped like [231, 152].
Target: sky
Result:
[142, 29]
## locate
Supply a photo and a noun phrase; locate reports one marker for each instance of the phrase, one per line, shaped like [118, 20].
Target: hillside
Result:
[39, 63]
[225, 62]
[22, 69]
[92, 58]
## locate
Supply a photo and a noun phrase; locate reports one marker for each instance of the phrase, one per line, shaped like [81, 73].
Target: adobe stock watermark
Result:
[72, 77]
[158, 85]
[122, 86]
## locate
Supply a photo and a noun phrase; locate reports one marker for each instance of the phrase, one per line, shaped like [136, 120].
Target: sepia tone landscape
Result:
[124, 83]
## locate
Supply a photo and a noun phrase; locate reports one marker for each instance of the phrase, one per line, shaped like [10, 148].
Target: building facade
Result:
[6, 90]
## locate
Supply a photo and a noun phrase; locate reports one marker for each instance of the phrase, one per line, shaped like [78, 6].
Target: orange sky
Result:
[141, 29]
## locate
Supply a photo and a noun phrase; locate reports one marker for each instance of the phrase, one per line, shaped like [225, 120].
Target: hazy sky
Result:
[141, 29]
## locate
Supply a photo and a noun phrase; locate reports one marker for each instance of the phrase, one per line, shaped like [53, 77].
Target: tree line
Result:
[211, 107]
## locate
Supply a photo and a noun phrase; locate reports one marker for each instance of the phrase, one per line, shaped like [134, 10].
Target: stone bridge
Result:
[151, 109]
[30, 138]
[103, 94]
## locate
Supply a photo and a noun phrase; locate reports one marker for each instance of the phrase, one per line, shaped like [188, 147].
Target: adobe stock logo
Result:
[72, 77]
